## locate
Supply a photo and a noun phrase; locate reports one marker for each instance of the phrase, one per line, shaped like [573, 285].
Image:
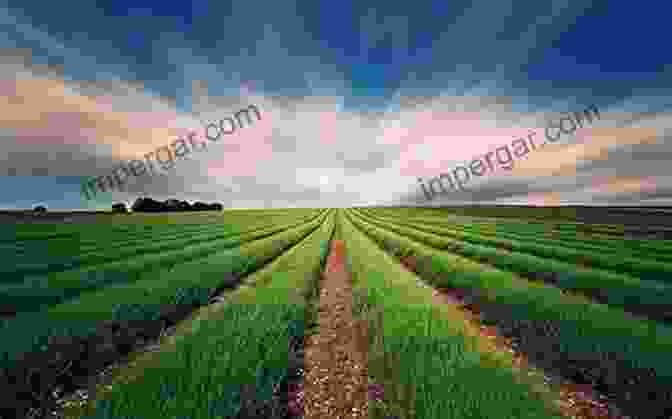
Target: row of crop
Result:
[568, 218]
[622, 356]
[158, 269]
[545, 234]
[645, 248]
[564, 228]
[51, 251]
[238, 351]
[29, 232]
[38, 292]
[648, 298]
[431, 363]
[75, 257]
[621, 258]
[43, 349]
[653, 250]
[88, 236]
[24, 233]
[91, 239]
[645, 270]
[570, 232]
[105, 237]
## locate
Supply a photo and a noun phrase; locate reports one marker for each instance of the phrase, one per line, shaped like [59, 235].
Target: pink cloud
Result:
[8, 88]
[328, 126]
[615, 184]
[245, 150]
[451, 138]
[544, 199]
[60, 128]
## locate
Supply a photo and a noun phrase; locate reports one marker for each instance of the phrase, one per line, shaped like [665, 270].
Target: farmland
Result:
[320, 313]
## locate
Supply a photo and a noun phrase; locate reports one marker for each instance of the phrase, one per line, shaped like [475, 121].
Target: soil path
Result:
[336, 381]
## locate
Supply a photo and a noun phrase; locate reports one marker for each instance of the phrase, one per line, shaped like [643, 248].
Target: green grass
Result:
[590, 342]
[87, 236]
[40, 291]
[71, 256]
[245, 344]
[648, 298]
[566, 216]
[137, 223]
[429, 359]
[609, 235]
[547, 234]
[167, 288]
[430, 366]
[621, 261]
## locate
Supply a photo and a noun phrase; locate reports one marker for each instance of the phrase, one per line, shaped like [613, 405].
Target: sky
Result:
[358, 100]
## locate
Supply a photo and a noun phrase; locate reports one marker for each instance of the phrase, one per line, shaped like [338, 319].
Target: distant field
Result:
[206, 315]
[630, 221]
[11, 217]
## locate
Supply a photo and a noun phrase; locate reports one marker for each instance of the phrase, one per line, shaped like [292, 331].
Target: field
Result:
[433, 313]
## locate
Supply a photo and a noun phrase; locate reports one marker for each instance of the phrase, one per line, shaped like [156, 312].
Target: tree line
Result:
[145, 204]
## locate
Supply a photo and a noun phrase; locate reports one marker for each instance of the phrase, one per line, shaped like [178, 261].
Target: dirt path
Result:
[336, 381]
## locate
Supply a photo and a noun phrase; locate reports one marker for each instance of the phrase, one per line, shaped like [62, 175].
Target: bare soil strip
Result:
[574, 400]
[336, 380]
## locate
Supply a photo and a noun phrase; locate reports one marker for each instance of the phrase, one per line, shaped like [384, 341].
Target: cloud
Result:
[456, 97]
[57, 127]
[634, 154]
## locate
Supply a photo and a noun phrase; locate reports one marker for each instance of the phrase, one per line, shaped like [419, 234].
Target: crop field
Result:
[435, 313]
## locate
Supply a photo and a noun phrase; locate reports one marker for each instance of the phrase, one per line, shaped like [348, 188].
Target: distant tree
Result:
[184, 206]
[140, 205]
[200, 206]
[119, 208]
[40, 209]
[148, 205]
[172, 205]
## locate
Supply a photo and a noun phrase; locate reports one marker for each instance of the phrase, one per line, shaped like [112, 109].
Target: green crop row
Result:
[565, 217]
[142, 300]
[88, 237]
[55, 253]
[545, 234]
[238, 350]
[648, 298]
[646, 249]
[135, 223]
[499, 215]
[36, 293]
[28, 232]
[431, 365]
[659, 251]
[620, 260]
[565, 232]
[587, 342]
[157, 243]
